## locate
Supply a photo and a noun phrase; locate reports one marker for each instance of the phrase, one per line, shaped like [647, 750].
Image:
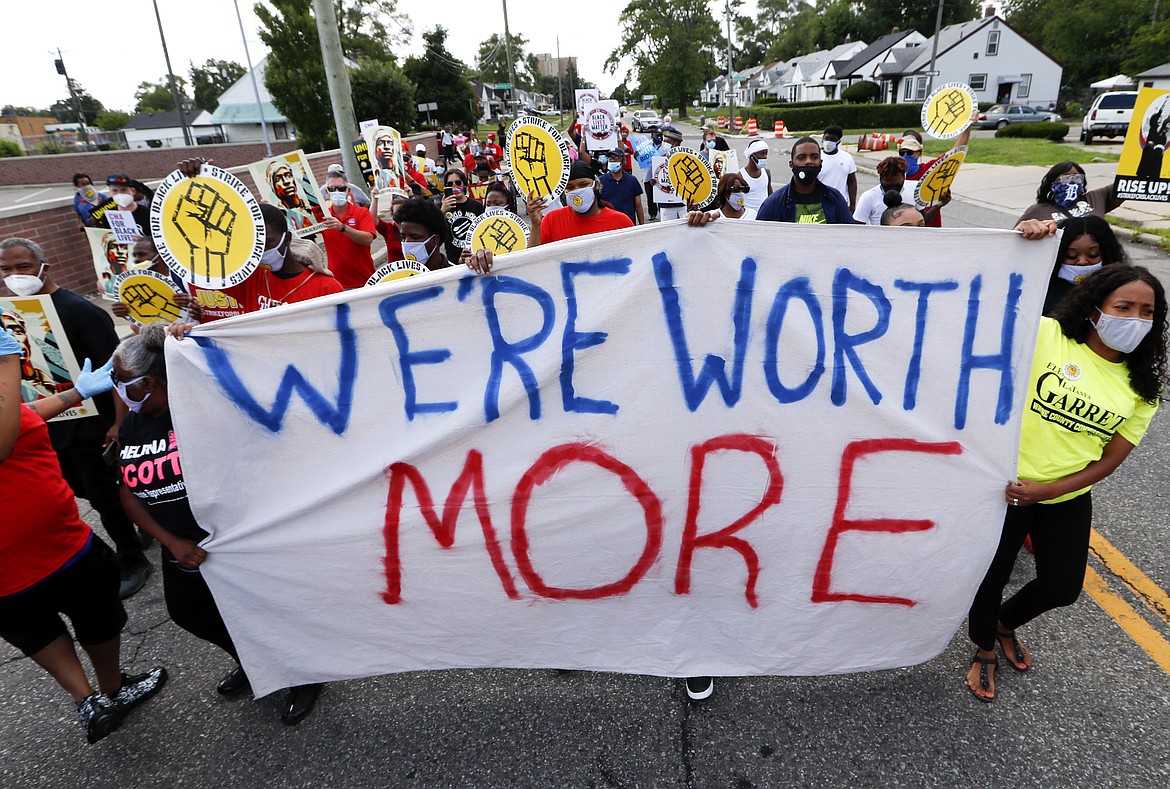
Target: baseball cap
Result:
[336, 169]
[909, 144]
[672, 133]
[120, 179]
[420, 148]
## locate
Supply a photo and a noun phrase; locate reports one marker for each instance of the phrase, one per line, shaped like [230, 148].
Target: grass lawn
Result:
[1129, 224]
[1019, 151]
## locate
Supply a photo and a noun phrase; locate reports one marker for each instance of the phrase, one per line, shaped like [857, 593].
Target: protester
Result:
[80, 443]
[621, 190]
[499, 196]
[349, 232]
[660, 149]
[900, 214]
[910, 148]
[838, 169]
[804, 199]
[672, 139]
[891, 177]
[356, 192]
[448, 145]
[426, 234]
[731, 197]
[1096, 378]
[1062, 194]
[492, 148]
[461, 211]
[85, 199]
[388, 230]
[710, 133]
[424, 163]
[755, 173]
[1088, 244]
[129, 195]
[627, 149]
[584, 214]
[51, 563]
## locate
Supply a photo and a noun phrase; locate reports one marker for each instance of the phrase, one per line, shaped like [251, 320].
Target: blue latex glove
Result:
[94, 382]
[9, 345]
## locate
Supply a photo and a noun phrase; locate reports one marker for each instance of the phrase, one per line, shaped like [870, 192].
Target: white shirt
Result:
[835, 171]
[759, 189]
[870, 206]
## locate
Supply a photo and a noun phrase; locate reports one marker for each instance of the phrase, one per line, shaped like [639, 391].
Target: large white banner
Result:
[749, 448]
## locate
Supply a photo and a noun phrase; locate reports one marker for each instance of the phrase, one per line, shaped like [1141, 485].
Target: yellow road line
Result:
[1130, 621]
[1117, 563]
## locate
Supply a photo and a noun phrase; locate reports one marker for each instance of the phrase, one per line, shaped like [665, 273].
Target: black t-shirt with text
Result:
[151, 471]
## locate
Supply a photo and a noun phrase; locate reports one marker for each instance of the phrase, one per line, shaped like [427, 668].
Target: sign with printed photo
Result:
[47, 363]
[723, 162]
[536, 155]
[207, 229]
[933, 187]
[500, 231]
[399, 269]
[384, 144]
[149, 296]
[110, 258]
[601, 127]
[287, 182]
[691, 178]
[946, 113]
[1144, 170]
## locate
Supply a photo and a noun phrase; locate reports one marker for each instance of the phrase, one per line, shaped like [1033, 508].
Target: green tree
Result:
[156, 96]
[441, 78]
[26, 112]
[1149, 47]
[491, 62]
[112, 120]
[10, 148]
[1091, 39]
[672, 47]
[371, 29]
[210, 80]
[382, 91]
[63, 109]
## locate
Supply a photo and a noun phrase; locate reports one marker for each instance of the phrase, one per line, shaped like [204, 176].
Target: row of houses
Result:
[988, 54]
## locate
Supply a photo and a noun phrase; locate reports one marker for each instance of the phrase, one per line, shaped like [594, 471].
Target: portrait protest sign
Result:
[691, 178]
[1144, 170]
[501, 231]
[123, 226]
[935, 184]
[601, 126]
[398, 269]
[724, 162]
[207, 229]
[384, 144]
[149, 296]
[536, 155]
[946, 113]
[287, 182]
[744, 449]
[110, 258]
[47, 363]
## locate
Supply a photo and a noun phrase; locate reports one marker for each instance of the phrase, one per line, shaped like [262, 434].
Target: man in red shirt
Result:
[349, 231]
[583, 215]
[492, 148]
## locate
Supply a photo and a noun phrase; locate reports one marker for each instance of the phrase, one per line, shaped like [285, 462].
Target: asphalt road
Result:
[1095, 710]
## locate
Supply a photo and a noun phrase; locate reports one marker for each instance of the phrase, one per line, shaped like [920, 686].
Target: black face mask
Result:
[806, 173]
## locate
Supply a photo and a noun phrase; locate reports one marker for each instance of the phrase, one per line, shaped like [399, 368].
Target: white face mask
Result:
[123, 201]
[134, 405]
[1122, 334]
[274, 258]
[1076, 273]
[581, 200]
[339, 199]
[25, 284]
[738, 200]
[417, 250]
[829, 146]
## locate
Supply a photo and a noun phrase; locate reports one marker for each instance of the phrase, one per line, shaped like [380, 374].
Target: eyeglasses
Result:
[454, 182]
[126, 381]
[336, 188]
[743, 189]
[1071, 178]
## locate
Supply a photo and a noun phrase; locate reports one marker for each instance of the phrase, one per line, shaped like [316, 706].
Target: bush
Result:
[862, 92]
[10, 148]
[848, 116]
[1041, 131]
[1072, 109]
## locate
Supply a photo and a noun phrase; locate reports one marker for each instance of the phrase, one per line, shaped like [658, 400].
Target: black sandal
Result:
[984, 679]
[1017, 659]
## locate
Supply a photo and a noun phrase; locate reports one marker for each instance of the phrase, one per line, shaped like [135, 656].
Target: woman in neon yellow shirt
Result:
[1096, 380]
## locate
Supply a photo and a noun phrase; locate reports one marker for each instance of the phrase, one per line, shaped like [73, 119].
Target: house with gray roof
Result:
[1157, 77]
[239, 117]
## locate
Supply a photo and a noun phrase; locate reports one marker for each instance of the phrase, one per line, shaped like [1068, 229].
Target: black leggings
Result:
[191, 606]
[1060, 545]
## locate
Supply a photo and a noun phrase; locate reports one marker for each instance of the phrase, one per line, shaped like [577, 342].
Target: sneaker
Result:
[134, 570]
[99, 716]
[139, 688]
[699, 688]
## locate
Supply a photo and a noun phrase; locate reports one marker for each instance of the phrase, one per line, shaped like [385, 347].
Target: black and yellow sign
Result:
[208, 229]
[499, 231]
[399, 269]
[537, 157]
[362, 151]
[1144, 170]
[691, 178]
[946, 113]
[149, 296]
[936, 183]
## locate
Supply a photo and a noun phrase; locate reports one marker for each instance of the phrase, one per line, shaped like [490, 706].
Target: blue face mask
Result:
[1066, 194]
[911, 164]
[613, 167]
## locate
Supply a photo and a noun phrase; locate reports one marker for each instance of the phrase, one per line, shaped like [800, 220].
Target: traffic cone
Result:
[863, 143]
[753, 130]
[738, 124]
[780, 131]
[722, 122]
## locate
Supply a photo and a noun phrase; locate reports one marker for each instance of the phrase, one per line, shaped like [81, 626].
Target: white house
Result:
[812, 76]
[239, 118]
[163, 130]
[866, 65]
[1157, 77]
[988, 54]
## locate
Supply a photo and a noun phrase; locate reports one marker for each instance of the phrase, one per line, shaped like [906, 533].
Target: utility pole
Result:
[171, 79]
[730, 70]
[72, 96]
[511, 68]
[934, 48]
[560, 89]
[255, 85]
[338, 79]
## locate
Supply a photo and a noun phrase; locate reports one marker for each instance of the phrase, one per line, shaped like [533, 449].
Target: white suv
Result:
[1109, 116]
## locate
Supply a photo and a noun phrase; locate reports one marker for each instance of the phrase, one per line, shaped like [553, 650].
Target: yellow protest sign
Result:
[1144, 170]
[499, 231]
[207, 229]
[536, 155]
[690, 177]
[936, 183]
[150, 297]
[399, 269]
[946, 113]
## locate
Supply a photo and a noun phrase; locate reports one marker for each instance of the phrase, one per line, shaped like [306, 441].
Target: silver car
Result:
[1001, 115]
[645, 120]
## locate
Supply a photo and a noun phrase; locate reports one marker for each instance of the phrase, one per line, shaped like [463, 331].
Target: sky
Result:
[92, 40]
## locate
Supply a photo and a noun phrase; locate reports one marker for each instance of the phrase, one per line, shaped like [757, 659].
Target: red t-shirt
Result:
[628, 159]
[494, 151]
[566, 223]
[40, 530]
[936, 220]
[389, 233]
[351, 263]
[264, 289]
